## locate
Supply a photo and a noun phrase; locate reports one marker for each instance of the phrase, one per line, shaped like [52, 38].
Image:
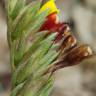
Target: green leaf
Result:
[17, 89]
[19, 52]
[12, 56]
[38, 22]
[19, 18]
[11, 5]
[26, 21]
[16, 6]
[45, 90]
[34, 85]
[27, 70]
[46, 61]
[30, 63]
[34, 46]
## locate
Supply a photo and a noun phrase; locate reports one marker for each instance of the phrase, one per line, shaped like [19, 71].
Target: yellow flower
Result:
[51, 6]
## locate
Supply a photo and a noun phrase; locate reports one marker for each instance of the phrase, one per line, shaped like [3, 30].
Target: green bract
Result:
[29, 62]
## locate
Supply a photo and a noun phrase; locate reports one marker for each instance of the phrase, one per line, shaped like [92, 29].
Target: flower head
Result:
[71, 53]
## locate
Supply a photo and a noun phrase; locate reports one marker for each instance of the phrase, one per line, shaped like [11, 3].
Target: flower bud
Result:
[76, 55]
[73, 57]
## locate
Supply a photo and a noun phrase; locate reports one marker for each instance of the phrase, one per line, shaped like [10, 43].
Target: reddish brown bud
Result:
[78, 54]
[68, 43]
[73, 57]
[63, 31]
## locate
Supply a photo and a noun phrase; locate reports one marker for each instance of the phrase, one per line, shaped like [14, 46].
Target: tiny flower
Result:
[52, 18]
[52, 23]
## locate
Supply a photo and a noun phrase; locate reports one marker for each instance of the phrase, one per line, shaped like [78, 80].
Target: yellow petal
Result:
[51, 6]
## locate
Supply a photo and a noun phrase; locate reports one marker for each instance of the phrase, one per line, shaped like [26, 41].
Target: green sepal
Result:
[17, 89]
[15, 7]
[35, 84]
[24, 71]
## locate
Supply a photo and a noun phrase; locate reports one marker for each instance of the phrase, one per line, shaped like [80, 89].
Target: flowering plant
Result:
[39, 45]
